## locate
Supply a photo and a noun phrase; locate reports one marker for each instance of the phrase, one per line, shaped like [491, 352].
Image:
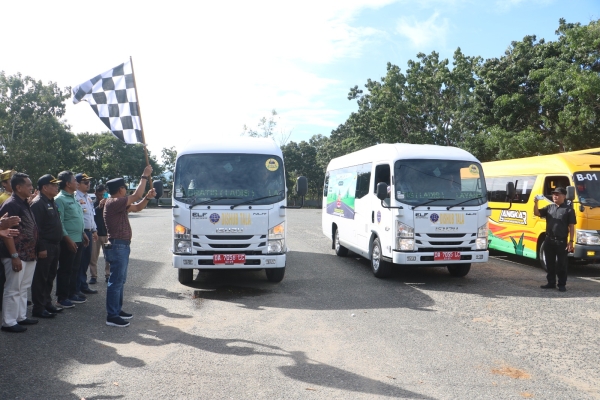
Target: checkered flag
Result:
[113, 98]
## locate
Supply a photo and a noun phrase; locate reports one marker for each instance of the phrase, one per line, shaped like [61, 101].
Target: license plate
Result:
[446, 255]
[229, 259]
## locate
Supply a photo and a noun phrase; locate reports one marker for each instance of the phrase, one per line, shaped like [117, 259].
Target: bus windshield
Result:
[229, 179]
[587, 186]
[448, 182]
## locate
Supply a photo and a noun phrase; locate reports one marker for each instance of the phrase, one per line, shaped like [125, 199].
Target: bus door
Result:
[381, 218]
[363, 206]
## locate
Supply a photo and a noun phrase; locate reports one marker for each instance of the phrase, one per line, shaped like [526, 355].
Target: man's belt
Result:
[557, 239]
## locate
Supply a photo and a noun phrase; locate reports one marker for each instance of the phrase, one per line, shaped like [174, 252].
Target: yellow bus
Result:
[516, 230]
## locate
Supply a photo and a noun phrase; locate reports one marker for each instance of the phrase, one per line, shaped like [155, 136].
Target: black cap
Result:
[46, 179]
[560, 190]
[115, 184]
[100, 188]
[82, 177]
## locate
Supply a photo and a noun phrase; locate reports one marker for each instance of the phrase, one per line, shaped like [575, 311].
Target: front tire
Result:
[381, 269]
[459, 270]
[185, 275]
[541, 256]
[275, 275]
[340, 250]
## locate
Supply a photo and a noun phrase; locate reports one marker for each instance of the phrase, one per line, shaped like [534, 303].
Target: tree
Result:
[32, 139]
[169, 156]
[301, 160]
[266, 128]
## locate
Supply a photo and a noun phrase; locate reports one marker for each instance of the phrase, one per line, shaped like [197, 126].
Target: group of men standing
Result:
[59, 233]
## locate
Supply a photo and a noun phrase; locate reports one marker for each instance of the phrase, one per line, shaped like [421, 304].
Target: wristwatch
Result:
[14, 255]
[145, 177]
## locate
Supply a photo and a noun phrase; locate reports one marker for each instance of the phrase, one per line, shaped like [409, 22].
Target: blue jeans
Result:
[86, 256]
[118, 258]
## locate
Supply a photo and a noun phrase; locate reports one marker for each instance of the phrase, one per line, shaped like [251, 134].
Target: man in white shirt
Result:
[87, 205]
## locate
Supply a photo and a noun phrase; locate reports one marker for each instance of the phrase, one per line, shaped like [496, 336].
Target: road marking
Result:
[590, 278]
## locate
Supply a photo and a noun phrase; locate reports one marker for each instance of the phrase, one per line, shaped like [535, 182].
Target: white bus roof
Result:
[229, 144]
[400, 151]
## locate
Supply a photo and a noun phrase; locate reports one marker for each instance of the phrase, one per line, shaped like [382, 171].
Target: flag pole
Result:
[139, 110]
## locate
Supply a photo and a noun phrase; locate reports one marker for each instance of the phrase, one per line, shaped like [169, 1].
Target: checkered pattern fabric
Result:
[114, 100]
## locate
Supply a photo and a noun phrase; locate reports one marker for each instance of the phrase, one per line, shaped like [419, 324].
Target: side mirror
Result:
[301, 186]
[158, 186]
[510, 191]
[382, 192]
[570, 193]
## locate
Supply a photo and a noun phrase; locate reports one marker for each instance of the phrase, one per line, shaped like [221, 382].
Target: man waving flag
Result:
[113, 98]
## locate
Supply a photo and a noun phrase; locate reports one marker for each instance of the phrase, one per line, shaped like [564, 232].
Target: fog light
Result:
[481, 243]
[591, 253]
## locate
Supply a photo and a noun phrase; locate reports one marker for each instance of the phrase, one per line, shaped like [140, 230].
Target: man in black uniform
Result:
[50, 228]
[560, 223]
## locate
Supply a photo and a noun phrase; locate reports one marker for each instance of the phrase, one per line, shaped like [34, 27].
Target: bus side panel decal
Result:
[510, 240]
[341, 193]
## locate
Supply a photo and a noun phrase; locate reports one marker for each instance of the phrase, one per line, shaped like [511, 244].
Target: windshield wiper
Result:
[259, 198]
[458, 204]
[211, 200]
[428, 202]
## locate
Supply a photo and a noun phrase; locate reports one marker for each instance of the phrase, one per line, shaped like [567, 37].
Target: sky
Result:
[206, 69]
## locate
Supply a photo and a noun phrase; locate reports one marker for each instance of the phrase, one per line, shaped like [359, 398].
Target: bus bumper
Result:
[586, 252]
[418, 258]
[206, 262]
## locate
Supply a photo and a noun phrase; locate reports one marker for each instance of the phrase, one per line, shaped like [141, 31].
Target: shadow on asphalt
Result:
[34, 364]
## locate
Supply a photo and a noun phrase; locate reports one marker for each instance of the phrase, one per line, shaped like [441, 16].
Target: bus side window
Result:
[552, 182]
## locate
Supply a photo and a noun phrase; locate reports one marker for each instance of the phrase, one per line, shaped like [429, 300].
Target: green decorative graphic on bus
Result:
[340, 194]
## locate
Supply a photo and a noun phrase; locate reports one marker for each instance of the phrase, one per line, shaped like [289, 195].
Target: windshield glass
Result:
[419, 181]
[231, 178]
[587, 186]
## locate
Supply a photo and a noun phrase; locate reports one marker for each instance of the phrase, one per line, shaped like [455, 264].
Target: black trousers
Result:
[68, 267]
[556, 260]
[43, 278]
[2, 282]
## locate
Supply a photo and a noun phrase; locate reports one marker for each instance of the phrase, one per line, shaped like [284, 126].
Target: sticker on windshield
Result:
[473, 169]
[272, 164]
[399, 194]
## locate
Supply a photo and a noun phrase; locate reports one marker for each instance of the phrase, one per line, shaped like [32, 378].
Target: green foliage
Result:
[301, 160]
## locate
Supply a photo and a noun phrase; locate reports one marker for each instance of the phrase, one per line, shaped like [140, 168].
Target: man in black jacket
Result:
[50, 228]
[102, 236]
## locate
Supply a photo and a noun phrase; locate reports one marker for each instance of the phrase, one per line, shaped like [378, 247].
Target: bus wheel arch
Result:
[381, 268]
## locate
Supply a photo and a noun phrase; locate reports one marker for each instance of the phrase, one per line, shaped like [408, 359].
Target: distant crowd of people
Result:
[57, 232]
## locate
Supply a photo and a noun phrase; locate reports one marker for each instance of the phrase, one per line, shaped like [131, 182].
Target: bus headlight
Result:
[588, 237]
[482, 237]
[182, 239]
[276, 242]
[404, 237]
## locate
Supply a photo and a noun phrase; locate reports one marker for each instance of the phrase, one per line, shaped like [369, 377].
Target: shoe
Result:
[125, 315]
[89, 291]
[28, 321]
[66, 303]
[76, 299]
[548, 286]
[117, 321]
[44, 314]
[14, 329]
[106, 278]
[29, 303]
[562, 289]
[53, 309]
[80, 294]
[93, 281]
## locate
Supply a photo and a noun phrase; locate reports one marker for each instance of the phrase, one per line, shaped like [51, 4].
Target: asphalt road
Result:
[330, 330]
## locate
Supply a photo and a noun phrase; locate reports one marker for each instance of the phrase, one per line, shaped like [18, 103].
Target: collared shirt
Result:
[26, 242]
[99, 218]
[48, 221]
[558, 219]
[71, 216]
[116, 218]
[87, 206]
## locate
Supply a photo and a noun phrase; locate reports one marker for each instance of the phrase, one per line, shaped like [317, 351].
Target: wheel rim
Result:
[375, 257]
[337, 241]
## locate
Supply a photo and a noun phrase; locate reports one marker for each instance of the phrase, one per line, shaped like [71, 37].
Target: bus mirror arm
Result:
[510, 193]
[385, 206]
[295, 207]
